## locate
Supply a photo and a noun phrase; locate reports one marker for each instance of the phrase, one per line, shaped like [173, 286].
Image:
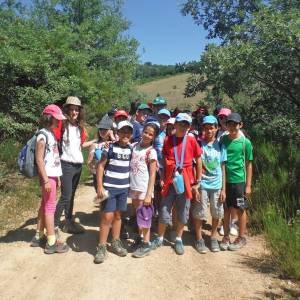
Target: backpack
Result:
[26, 160]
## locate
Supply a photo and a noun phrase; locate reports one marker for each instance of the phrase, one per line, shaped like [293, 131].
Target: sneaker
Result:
[58, 247]
[224, 245]
[234, 229]
[73, 227]
[138, 242]
[214, 245]
[38, 242]
[221, 231]
[142, 251]
[238, 244]
[101, 254]
[118, 248]
[157, 242]
[200, 246]
[179, 247]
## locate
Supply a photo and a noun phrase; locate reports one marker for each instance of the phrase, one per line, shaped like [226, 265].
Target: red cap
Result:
[54, 111]
[120, 113]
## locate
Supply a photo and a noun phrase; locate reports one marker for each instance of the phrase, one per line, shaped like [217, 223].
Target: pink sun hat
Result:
[54, 111]
[224, 112]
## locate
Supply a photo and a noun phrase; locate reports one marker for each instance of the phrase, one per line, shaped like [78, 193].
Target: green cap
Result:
[144, 106]
[159, 100]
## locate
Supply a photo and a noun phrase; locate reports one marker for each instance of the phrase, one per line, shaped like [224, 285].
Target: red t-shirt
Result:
[192, 151]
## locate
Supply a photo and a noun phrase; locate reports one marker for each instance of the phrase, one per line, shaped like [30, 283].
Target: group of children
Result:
[168, 168]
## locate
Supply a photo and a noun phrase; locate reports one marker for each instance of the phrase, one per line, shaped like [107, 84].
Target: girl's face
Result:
[148, 135]
[222, 120]
[104, 133]
[73, 112]
[125, 135]
[170, 129]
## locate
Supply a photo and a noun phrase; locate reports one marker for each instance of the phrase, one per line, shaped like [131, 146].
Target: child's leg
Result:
[226, 223]
[116, 225]
[183, 211]
[165, 212]
[106, 220]
[216, 209]
[146, 234]
[242, 222]
[136, 204]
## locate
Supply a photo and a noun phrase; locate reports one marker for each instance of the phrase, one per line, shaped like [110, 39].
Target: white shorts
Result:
[137, 195]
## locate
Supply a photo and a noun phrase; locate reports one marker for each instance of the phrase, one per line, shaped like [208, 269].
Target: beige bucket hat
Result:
[72, 100]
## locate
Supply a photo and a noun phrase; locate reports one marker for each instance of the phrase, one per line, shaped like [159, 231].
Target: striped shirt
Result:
[116, 174]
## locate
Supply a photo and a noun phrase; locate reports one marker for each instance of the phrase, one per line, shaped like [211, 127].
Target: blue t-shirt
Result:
[158, 146]
[212, 157]
[137, 131]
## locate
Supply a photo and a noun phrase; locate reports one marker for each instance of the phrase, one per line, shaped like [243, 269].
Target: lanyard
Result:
[179, 165]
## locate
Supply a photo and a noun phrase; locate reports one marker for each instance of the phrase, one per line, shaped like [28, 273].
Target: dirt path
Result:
[26, 273]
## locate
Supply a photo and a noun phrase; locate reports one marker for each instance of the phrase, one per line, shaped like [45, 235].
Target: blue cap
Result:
[209, 120]
[183, 117]
[164, 112]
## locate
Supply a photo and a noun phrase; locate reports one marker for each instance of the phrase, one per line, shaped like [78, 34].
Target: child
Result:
[104, 128]
[178, 154]
[49, 170]
[238, 179]
[143, 168]
[170, 130]
[113, 175]
[212, 187]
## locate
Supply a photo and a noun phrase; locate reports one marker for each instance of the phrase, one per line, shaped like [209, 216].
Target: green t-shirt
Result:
[238, 151]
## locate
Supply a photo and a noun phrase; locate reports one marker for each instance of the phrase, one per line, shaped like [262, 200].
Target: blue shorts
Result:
[117, 200]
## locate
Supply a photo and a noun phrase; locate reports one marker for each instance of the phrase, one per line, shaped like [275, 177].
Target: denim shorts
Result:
[117, 200]
[182, 206]
[216, 208]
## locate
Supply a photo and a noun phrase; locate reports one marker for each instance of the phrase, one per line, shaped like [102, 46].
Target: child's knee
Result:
[117, 215]
[107, 218]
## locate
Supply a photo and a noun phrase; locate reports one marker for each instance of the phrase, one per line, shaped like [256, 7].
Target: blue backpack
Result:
[26, 160]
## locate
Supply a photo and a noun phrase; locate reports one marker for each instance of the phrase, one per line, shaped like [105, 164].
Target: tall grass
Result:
[276, 203]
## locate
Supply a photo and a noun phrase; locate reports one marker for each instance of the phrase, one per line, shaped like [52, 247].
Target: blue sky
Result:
[165, 36]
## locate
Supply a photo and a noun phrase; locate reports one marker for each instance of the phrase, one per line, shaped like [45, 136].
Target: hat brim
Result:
[59, 117]
[76, 104]
[131, 127]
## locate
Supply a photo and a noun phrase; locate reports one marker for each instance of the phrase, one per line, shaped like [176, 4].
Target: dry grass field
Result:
[172, 88]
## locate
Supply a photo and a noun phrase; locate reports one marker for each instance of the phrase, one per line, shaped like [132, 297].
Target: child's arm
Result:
[198, 168]
[39, 157]
[152, 171]
[223, 189]
[100, 172]
[89, 143]
[248, 178]
[91, 154]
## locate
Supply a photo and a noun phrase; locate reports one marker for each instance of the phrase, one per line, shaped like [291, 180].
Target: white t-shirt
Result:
[139, 173]
[51, 159]
[71, 145]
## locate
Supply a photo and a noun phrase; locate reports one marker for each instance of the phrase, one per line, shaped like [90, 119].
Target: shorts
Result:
[235, 196]
[182, 207]
[216, 207]
[117, 200]
[137, 195]
[48, 204]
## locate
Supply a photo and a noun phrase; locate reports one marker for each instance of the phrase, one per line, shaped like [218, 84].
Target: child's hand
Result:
[248, 191]
[222, 196]
[147, 200]
[100, 192]
[47, 187]
[161, 182]
[58, 182]
[197, 194]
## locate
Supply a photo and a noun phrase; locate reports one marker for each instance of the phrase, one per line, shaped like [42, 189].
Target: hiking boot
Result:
[58, 247]
[101, 254]
[157, 243]
[138, 242]
[179, 247]
[214, 245]
[224, 245]
[73, 227]
[200, 246]
[142, 251]
[238, 244]
[118, 248]
[41, 242]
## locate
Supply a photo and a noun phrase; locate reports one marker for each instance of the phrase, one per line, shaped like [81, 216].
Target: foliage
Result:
[60, 48]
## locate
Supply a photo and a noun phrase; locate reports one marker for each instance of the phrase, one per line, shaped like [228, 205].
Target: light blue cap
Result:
[209, 120]
[183, 117]
[164, 112]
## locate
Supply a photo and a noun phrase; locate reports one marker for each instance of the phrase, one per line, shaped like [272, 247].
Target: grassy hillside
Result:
[172, 88]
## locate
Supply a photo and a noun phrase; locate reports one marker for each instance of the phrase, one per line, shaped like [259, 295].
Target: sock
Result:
[178, 239]
[51, 240]
[161, 238]
[37, 235]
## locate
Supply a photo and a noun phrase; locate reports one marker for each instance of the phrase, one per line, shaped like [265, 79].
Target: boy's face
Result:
[181, 128]
[142, 115]
[170, 129]
[163, 119]
[210, 130]
[233, 127]
[125, 135]
[120, 118]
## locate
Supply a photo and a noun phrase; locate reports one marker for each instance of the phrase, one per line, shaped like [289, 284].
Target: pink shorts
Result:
[48, 204]
[136, 195]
